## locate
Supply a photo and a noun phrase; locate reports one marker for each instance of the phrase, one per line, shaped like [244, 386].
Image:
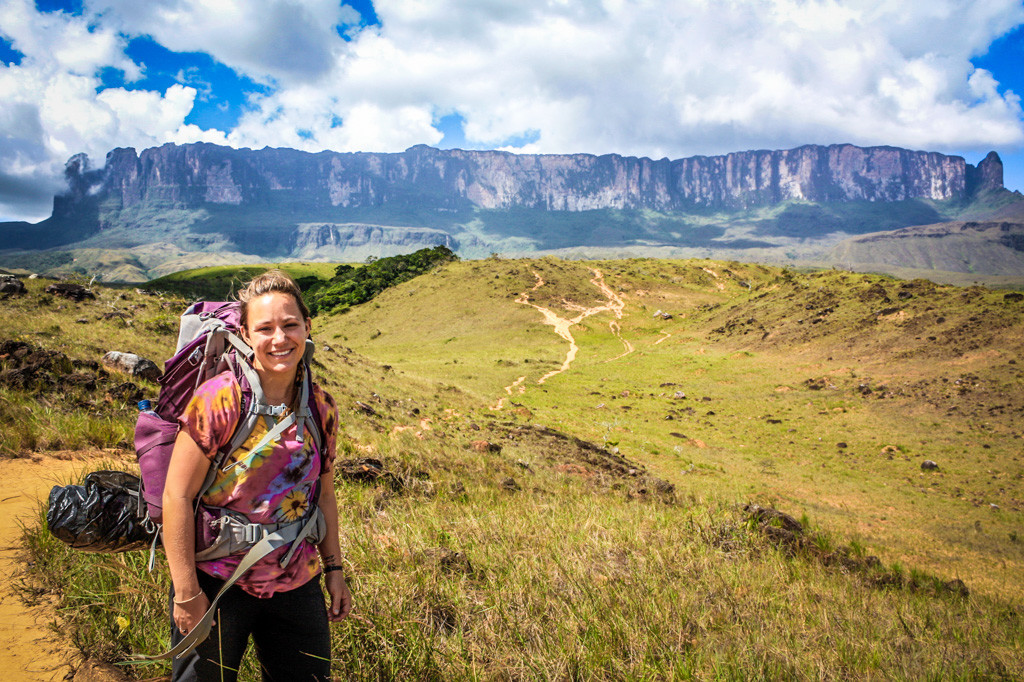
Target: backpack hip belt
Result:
[236, 534]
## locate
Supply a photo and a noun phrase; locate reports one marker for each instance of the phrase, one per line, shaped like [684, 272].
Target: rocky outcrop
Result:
[341, 240]
[9, 284]
[131, 364]
[196, 175]
[988, 176]
[283, 203]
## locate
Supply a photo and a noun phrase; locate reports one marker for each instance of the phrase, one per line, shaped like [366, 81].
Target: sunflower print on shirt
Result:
[272, 485]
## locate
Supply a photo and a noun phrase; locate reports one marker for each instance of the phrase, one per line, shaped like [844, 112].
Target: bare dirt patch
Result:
[563, 325]
[29, 650]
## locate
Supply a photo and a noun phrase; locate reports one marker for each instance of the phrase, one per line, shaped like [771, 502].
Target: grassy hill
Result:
[220, 283]
[820, 393]
[734, 491]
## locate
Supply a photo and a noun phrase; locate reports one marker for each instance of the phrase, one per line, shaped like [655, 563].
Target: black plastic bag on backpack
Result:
[101, 515]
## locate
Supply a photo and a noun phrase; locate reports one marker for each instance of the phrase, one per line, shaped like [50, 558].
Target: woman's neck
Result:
[277, 389]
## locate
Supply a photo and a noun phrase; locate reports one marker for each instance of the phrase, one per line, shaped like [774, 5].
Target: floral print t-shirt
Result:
[271, 485]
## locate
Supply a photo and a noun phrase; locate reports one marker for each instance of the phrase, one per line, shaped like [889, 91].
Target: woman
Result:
[282, 608]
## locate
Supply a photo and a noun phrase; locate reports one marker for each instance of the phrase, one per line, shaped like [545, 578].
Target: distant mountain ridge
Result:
[284, 203]
[189, 176]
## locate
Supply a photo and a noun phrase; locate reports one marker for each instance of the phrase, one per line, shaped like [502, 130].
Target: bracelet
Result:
[185, 601]
[328, 569]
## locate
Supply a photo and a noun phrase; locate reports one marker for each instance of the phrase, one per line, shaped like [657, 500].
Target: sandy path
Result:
[29, 650]
[563, 326]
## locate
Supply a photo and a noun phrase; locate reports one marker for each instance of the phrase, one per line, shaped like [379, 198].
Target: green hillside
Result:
[821, 393]
[734, 491]
[220, 283]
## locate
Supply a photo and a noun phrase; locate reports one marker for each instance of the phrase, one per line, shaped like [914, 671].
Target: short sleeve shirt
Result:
[273, 484]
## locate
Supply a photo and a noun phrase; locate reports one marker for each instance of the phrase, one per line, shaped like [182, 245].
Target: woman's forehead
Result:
[274, 304]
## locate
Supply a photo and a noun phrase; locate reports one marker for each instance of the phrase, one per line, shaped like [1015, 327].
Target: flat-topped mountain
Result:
[280, 203]
[190, 176]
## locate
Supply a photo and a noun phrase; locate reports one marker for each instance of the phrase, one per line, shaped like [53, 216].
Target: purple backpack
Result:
[208, 344]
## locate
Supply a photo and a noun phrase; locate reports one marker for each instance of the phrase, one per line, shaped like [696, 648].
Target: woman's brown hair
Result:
[270, 281]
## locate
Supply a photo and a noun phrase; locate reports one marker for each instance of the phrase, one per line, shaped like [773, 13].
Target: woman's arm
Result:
[330, 552]
[185, 476]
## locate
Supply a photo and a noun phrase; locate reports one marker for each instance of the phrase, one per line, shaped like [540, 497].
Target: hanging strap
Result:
[292, 533]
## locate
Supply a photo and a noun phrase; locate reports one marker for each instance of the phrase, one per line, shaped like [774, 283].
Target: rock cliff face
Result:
[338, 242]
[197, 175]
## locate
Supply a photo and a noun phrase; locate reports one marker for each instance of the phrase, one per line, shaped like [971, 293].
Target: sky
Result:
[655, 78]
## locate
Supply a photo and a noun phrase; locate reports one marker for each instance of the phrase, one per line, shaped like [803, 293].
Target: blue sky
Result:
[654, 78]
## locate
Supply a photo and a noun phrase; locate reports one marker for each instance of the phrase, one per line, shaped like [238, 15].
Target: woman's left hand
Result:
[341, 598]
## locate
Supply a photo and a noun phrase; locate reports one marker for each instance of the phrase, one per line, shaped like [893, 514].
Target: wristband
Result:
[185, 601]
[328, 569]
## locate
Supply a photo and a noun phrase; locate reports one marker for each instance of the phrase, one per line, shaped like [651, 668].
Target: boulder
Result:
[70, 290]
[9, 284]
[132, 365]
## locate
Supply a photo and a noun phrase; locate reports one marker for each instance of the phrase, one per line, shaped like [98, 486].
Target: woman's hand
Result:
[187, 614]
[341, 598]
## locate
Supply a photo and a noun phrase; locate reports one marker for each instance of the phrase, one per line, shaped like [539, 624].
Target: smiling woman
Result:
[272, 482]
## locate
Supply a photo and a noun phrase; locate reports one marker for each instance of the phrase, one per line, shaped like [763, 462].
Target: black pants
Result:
[293, 641]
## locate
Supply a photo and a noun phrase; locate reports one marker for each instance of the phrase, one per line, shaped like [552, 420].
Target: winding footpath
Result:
[563, 327]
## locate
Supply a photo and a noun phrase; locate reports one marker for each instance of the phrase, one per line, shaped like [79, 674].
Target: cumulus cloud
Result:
[664, 78]
[290, 41]
[655, 78]
[53, 105]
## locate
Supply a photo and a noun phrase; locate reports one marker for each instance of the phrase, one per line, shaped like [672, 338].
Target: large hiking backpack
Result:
[208, 344]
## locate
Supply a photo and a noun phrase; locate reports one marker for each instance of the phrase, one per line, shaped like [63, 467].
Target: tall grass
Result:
[30, 426]
[570, 579]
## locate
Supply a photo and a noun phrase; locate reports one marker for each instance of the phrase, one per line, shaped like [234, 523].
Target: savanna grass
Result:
[507, 560]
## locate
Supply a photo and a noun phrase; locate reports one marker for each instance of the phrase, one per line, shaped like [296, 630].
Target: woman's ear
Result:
[309, 327]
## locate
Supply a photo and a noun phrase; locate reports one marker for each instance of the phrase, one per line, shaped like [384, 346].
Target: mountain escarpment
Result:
[284, 203]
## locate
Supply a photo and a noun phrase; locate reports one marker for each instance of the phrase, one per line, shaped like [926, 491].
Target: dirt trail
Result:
[563, 325]
[28, 649]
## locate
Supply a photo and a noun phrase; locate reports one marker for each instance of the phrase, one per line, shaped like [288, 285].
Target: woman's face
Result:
[276, 332]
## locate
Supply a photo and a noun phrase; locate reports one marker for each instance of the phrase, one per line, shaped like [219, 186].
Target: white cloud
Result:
[642, 77]
[291, 41]
[680, 78]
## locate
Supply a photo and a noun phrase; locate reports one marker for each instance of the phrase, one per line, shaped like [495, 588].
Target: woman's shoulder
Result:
[224, 383]
[221, 392]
